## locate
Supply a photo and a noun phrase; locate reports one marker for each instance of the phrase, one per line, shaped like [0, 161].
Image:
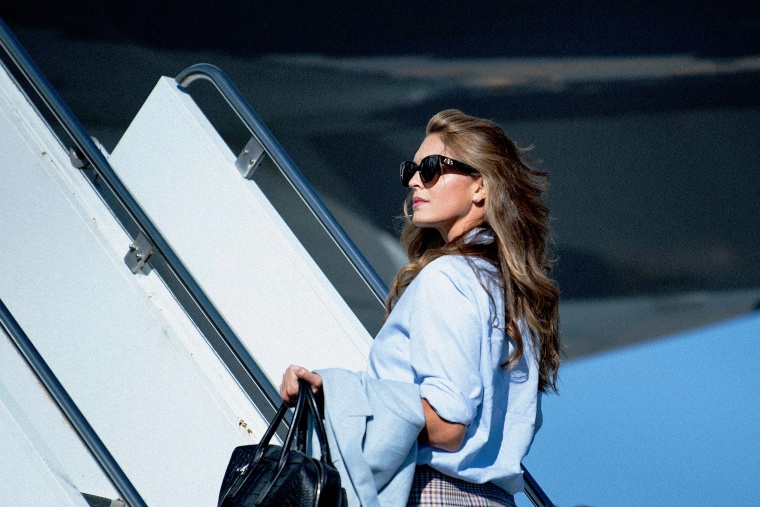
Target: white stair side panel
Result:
[41, 416]
[29, 474]
[233, 241]
[119, 344]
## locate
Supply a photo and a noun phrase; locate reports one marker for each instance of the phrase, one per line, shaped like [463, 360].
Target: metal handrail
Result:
[533, 491]
[56, 390]
[282, 160]
[273, 148]
[267, 399]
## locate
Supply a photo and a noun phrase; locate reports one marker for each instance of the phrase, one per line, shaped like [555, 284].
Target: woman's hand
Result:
[289, 386]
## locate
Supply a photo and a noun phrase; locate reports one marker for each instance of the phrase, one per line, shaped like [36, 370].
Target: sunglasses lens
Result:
[429, 167]
[407, 172]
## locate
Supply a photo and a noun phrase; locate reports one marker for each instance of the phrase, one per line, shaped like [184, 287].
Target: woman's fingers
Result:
[314, 379]
[289, 386]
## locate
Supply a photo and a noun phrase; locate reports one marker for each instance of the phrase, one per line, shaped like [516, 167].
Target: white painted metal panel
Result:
[69, 459]
[233, 241]
[29, 473]
[142, 375]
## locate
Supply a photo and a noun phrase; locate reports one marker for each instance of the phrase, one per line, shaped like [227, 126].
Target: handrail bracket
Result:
[138, 254]
[250, 158]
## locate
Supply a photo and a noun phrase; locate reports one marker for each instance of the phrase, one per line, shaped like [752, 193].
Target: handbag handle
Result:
[305, 397]
[305, 404]
[269, 433]
[324, 447]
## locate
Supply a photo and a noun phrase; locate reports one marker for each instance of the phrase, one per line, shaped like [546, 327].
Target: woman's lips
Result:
[418, 201]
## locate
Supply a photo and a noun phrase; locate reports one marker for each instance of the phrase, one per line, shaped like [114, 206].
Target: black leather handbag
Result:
[270, 475]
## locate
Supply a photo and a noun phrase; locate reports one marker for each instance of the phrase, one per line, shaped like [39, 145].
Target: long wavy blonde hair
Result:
[519, 219]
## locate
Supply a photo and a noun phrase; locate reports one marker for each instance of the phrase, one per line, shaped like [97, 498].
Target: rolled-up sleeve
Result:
[445, 341]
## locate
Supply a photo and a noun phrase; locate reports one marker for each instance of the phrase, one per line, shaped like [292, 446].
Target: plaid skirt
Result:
[431, 488]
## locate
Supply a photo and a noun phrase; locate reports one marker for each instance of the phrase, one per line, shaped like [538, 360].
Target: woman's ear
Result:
[479, 196]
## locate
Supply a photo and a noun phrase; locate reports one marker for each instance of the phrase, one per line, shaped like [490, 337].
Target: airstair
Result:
[151, 297]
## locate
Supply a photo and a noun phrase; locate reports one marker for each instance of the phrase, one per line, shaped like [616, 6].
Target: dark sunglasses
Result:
[429, 168]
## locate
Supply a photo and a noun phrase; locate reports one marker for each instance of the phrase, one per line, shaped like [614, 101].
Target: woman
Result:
[472, 319]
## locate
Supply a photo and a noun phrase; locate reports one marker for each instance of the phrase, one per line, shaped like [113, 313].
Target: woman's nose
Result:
[416, 181]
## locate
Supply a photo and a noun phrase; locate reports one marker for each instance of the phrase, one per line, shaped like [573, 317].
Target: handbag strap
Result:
[269, 433]
[298, 415]
[305, 404]
[324, 447]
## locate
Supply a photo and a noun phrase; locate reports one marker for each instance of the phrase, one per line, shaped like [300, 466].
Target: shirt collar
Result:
[479, 236]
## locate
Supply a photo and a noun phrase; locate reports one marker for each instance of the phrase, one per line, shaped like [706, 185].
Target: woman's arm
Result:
[439, 432]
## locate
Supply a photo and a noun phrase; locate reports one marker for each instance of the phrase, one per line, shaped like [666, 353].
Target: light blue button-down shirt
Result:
[447, 335]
